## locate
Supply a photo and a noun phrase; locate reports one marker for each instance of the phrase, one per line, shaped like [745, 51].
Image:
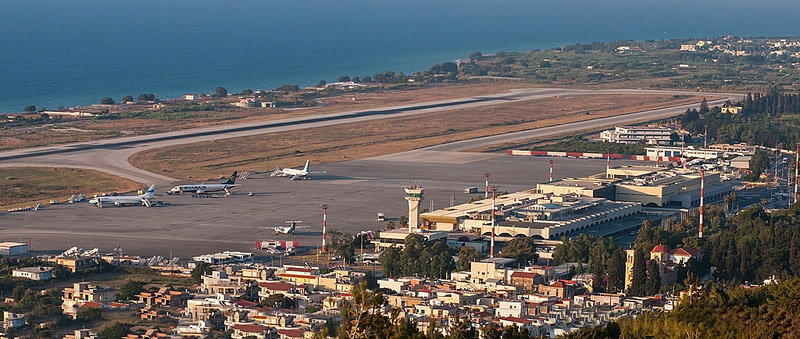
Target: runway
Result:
[111, 155]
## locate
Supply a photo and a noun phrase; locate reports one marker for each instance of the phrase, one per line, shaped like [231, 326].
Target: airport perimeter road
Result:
[111, 155]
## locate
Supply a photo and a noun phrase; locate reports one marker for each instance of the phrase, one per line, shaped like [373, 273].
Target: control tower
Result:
[414, 197]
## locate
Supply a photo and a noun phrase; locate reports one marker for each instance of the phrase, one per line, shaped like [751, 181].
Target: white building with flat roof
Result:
[632, 135]
[9, 248]
[683, 152]
[33, 273]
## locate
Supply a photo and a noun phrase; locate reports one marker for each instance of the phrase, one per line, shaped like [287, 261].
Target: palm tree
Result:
[728, 204]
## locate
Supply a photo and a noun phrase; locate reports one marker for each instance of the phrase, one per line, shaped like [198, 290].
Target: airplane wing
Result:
[302, 227]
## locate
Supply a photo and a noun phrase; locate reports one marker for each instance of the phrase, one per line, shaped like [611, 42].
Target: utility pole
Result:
[705, 141]
[324, 224]
[486, 190]
[702, 186]
[796, 163]
[551, 169]
[494, 206]
[608, 163]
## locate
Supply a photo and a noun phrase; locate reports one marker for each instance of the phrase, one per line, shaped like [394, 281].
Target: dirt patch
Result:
[386, 136]
[24, 186]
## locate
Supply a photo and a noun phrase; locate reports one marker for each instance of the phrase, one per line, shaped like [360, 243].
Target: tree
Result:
[146, 97]
[704, 107]
[86, 314]
[30, 108]
[522, 249]
[474, 56]
[653, 281]
[402, 221]
[598, 270]
[199, 270]
[639, 274]
[127, 98]
[492, 331]
[115, 331]
[247, 91]
[106, 101]
[366, 79]
[279, 300]
[390, 262]
[61, 272]
[220, 92]
[288, 88]
[616, 270]
[130, 290]
[466, 255]
[419, 257]
[344, 78]
[321, 83]
[18, 292]
[515, 332]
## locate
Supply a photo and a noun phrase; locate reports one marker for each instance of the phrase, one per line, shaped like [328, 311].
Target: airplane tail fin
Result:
[308, 165]
[150, 191]
[232, 179]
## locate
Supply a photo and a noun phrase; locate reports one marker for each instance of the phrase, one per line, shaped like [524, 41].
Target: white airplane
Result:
[206, 188]
[294, 174]
[286, 229]
[121, 200]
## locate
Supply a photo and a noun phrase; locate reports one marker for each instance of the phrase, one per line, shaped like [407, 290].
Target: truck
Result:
[470, 190]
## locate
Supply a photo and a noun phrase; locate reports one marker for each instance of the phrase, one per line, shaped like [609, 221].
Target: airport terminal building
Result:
[530, 213]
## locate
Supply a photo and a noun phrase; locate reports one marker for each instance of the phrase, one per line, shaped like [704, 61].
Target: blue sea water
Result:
[68, 52]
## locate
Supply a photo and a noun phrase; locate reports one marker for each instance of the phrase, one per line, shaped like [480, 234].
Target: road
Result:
[111, 155]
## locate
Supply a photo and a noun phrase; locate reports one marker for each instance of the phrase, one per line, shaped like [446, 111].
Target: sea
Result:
[74, 52]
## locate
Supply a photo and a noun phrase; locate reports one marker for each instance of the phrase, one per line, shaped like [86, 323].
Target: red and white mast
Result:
[494, 200]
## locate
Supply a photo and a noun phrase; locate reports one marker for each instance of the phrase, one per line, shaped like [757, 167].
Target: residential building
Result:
[13, 320]
[241, 331]
[33, 273]
[526, 280]
[510, 309]
[75, 263]
[83, 333]
[220, 283]
[164, 297]
[83, 294]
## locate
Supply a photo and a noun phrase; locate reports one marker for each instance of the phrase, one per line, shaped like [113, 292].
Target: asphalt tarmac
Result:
[354, 190]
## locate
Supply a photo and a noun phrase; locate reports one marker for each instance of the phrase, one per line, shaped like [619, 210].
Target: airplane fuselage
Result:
[200, 188]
